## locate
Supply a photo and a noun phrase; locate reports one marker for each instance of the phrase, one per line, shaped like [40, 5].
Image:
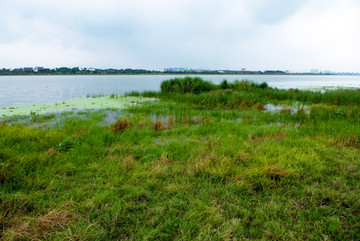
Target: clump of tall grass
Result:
[158, 125]
[197, 85]
[188, 84]
[170, 122]
[43, 226]
[243, 84]
[259, 106]
[120, 125]
[285, 111]
[218, 98]
[195, 90]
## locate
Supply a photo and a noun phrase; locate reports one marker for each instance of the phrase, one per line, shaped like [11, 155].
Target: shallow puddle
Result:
[287, 109]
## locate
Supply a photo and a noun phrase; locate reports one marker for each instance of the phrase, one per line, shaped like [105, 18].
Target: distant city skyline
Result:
[78, 70]
[298, 35]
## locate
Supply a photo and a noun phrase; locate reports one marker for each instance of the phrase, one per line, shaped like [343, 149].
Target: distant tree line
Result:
[93, 71]
[72, 71]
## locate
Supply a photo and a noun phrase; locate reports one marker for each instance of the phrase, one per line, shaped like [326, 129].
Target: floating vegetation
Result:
[102, 102]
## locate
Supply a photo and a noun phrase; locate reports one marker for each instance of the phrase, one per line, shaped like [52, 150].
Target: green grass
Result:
[180, 169]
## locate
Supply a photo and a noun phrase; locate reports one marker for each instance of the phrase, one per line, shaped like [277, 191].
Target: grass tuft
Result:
[158, 125]
[276, 172]
[259, 106]
[43, 226]
[120, 125]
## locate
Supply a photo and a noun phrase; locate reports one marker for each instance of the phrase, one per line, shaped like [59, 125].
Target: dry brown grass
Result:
[78, 133]
[301, 111]
[160, 166]
[41, 227]
[285, 111]
[141, 124]
[164, 158]
[277, 136]
[186, 120]
[259, 106]
[351, 141]
[120, 125]
[245, 104]
[247, 117]
[51, 152]
[158, 125]
[128, 162]
[242, 156]
[200, 120]
[276, 171]
[201, 164]
[170, 122]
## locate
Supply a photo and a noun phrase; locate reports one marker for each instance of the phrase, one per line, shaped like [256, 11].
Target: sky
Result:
[296, 35]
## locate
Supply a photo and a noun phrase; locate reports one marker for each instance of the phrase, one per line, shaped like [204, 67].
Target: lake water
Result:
[18, 90]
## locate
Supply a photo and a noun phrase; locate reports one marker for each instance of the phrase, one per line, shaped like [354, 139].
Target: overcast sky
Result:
[294, 35]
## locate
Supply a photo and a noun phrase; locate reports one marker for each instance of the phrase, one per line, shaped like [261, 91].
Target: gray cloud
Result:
[257, 34]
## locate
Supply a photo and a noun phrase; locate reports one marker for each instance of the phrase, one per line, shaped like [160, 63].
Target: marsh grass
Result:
[245, 94]
[120, 125]
[188, 169]
[158, 125]
[285, 111]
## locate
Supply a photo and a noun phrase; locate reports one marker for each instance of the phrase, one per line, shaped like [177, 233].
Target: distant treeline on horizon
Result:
[95, 71]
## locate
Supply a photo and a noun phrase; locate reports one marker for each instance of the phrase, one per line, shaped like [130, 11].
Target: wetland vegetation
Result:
[203, 162]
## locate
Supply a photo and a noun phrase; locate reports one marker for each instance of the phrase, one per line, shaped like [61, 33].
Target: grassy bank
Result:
[205, 163]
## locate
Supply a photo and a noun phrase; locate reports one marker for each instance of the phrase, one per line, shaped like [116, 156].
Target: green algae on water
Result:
[81, 103]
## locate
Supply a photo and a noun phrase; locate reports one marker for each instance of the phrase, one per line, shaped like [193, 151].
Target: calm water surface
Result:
[17, 90]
